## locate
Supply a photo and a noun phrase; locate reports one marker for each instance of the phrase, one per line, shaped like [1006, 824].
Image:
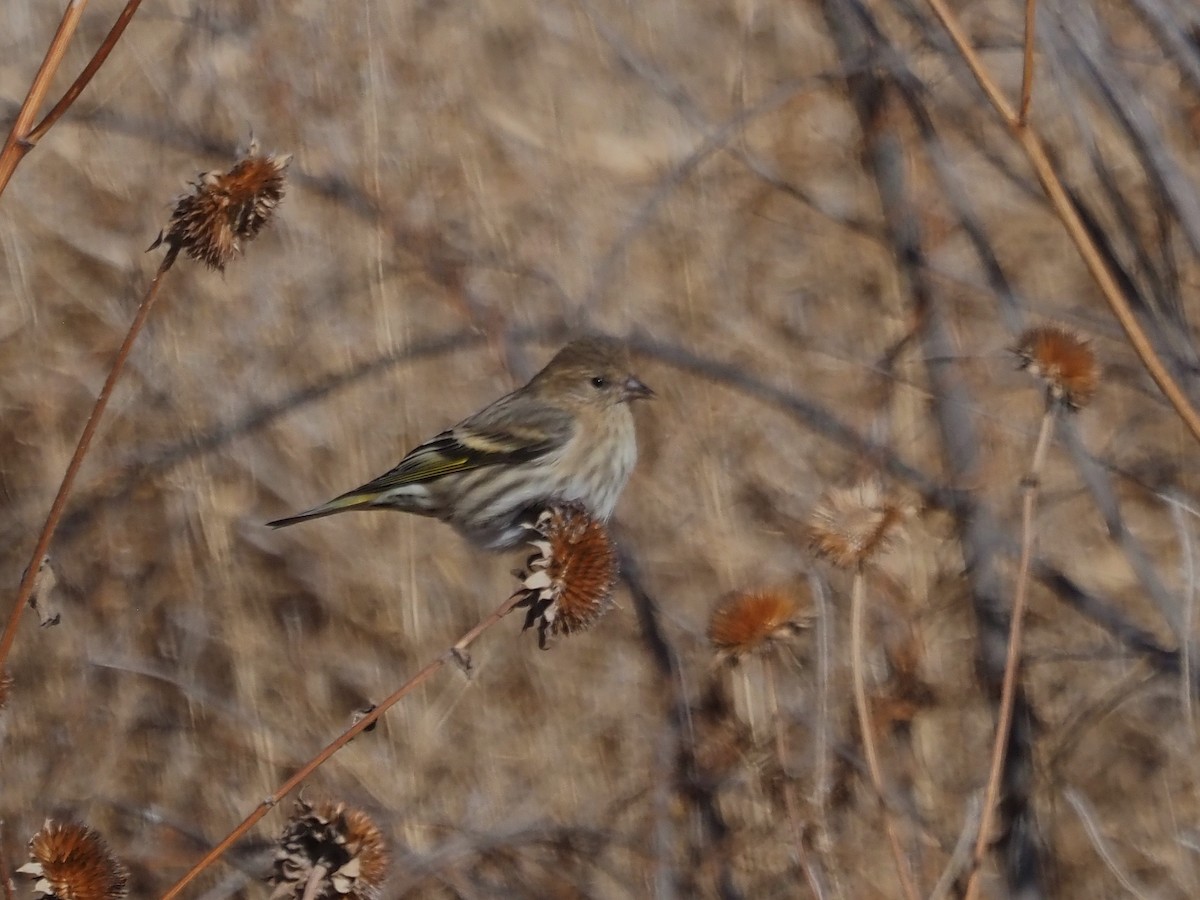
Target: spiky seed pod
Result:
[1063, 361]
[568, 582]
[329, 852]
[851, 525]
[225, 209]
[748, 621]
[70, 861]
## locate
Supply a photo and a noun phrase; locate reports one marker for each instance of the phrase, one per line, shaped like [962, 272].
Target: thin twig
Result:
[1083, 810]
[789, 793]
[1027, 70]
[85, 77]
[1008, 689]
[822, 766]
[453, 653]
[1188, 577]
[16, 144]
[960, 857]
[1056, 192]
[857, 605]
[29, 580]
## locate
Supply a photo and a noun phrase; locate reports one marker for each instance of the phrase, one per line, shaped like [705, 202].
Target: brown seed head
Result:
[71, 862]
[226, 208]
[568, 582]
[850, 525]
[1063, 361]
[746, 621]
[329, 852]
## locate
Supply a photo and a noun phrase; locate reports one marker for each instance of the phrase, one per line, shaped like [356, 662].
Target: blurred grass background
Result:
[470, 182]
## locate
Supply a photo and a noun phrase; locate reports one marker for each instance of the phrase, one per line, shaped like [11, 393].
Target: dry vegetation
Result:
[821, 244]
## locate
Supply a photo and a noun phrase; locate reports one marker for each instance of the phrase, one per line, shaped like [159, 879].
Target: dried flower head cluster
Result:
[1063, 361]
[69, 861]
[851, 525]
[329, 852]
[568, 582]
[226, 208]
[748, 621]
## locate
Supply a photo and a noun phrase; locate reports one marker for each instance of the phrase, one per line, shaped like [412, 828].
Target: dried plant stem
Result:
[455, 653]
[85, 76]
[858, 602]
[22, 138]
[743, 680]
[1012, 662]
[1061, 202]
[29, 580]
[315, 879]
[789, 794]
[1027, 69]
[16, 145]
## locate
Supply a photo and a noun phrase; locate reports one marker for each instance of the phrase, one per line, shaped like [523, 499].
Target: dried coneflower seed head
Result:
[850, 525]
[71, 862]
[568, 583]
[1063, 361]
[329, 852]
[746, 621]
[225, 209]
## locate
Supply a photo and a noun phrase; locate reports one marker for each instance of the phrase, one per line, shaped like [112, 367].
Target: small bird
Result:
[566, 435]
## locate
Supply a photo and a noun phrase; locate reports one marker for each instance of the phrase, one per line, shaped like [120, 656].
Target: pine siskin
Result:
[566, 435]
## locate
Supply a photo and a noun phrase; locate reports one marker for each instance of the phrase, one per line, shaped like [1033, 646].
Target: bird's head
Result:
[591, 372]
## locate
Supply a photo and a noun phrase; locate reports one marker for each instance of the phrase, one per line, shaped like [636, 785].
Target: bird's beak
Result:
[635, 390]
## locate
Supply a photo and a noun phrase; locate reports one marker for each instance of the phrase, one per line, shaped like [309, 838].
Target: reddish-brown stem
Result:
[1027, 69]
[858, 602]
[1060, 200]
[85, 77]
[1012, 663]
[29, 580]
[16, 145]
[453, 653]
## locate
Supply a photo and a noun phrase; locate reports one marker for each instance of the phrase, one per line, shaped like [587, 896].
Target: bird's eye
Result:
[599, 382]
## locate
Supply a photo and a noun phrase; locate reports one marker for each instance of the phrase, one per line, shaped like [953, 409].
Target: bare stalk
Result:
[857, 614]
[789, 794]
[1027, 70]
[16, 145]
[1012, 662]
[84, 78]
[313, 888]
[29, 579]
[22, 138]
[1061, 202]
[455, 652]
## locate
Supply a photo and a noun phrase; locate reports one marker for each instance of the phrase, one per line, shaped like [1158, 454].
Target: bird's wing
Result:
[485, 439]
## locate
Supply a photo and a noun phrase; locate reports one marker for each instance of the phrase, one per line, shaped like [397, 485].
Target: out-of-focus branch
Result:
[858, 36]
[666, 663]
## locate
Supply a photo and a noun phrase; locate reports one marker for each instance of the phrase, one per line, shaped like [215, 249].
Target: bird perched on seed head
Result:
[566, 435]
